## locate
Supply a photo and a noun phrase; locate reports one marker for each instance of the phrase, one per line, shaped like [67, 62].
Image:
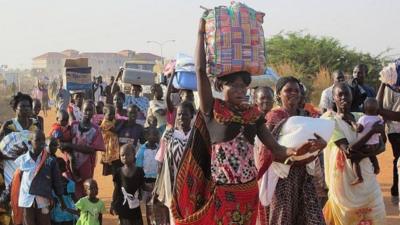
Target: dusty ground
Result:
[385, 161]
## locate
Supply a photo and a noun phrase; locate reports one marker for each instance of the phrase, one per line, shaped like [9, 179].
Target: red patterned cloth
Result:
[198, 200]
[223, 114]
[276, 116]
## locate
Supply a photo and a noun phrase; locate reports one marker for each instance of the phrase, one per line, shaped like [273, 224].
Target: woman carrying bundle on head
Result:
[216, 181]
[185, 95]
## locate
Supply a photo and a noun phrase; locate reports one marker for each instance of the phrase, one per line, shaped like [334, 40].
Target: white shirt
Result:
[367, 122]
[28, 166]
[98, 93]
[326, 101]
[391, 101]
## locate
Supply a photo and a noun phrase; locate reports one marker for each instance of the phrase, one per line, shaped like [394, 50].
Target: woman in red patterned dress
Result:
[216, 182]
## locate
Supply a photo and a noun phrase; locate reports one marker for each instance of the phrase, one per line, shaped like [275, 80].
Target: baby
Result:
[363, 126]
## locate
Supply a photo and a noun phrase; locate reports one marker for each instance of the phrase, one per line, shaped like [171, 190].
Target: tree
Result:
[307, 54]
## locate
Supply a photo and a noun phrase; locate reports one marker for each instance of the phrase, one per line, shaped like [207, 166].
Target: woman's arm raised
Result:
[386, 114]
[203, 83]
[170, 88]
[115, 87]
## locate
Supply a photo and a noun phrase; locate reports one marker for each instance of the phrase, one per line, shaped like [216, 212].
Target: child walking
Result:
[145, 158]
[110, 158]
[58, 215]
[90, 209]
[36, 177]
[128, 180]
[61, 131]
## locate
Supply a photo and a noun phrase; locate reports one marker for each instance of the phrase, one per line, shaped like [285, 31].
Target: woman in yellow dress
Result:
[348, 204]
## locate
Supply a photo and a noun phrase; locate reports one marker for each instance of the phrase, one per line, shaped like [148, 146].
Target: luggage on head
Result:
[185, 77]
[234, 40]
[185, 80]
[138, 77]
[268, 79]
[77, 75]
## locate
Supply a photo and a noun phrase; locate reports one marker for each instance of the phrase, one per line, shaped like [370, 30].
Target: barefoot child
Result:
[128, 180]
[110, 158]
[145, 158]
[61, 131]
[90, 209]
[363, 126]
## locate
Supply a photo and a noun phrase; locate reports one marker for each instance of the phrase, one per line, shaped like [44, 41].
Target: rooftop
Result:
[71, 53]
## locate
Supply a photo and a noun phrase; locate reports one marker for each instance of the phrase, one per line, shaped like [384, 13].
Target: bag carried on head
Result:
[234, 40]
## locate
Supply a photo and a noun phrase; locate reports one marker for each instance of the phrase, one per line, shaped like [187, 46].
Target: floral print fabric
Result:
[232, 162]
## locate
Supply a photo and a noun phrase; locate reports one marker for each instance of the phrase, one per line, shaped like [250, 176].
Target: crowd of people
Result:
[199, 164]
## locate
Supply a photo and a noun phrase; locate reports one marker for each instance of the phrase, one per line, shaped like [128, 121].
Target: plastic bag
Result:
[14, 139]
[184, 62]
[391, 74]
[298, 130]
[268, 79]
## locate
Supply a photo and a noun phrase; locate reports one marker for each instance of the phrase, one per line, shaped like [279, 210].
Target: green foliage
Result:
[308, 54]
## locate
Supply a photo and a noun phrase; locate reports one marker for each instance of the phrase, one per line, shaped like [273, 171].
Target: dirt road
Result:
[385, 161]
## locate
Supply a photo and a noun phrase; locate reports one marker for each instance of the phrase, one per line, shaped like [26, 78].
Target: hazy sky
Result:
[32, 27]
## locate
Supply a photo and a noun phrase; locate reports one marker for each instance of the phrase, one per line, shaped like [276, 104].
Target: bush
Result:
[311, 59]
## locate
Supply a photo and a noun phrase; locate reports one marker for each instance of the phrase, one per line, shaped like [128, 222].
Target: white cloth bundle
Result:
[184, 63]
[298, 130]
[295, 132]
[14, 139]
[388, 75]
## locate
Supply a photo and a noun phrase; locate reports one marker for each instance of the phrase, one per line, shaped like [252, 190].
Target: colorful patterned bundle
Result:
[234, 40]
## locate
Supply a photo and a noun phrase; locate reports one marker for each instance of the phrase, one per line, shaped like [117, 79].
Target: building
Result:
[106, 64]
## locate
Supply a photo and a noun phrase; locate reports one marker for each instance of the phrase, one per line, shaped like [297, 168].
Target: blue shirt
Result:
[57, 214]
[145, 158]
[141, 102]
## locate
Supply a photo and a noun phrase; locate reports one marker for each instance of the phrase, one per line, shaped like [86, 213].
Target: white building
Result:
[106, 64]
